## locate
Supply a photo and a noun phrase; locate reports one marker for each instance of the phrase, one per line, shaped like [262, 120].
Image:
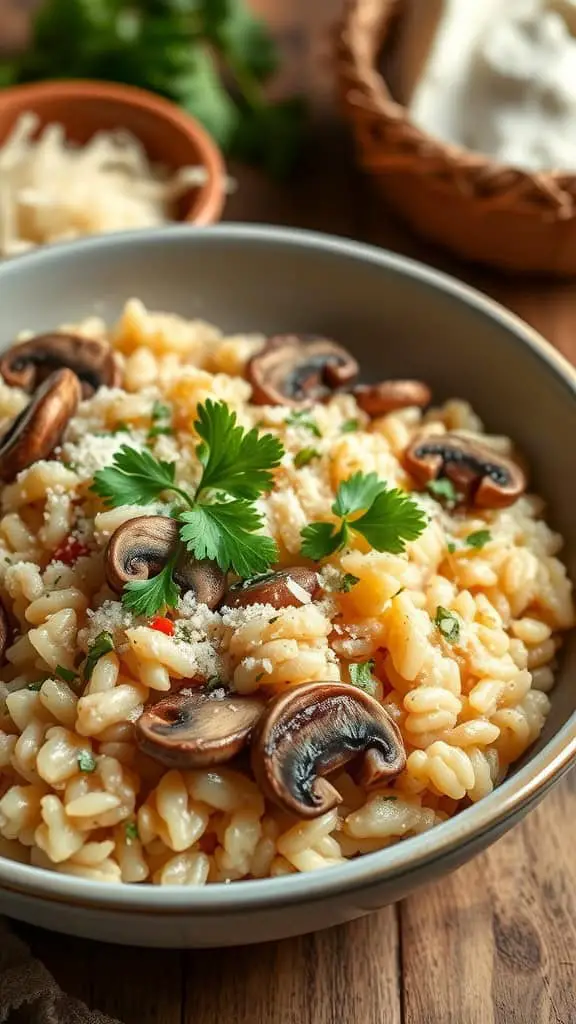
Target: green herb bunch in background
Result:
[212, 57]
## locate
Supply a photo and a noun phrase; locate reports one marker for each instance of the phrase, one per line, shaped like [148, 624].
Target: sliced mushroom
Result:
[309, 732]
[37, 430]
[4, 631]
[29, 364]
[293, 369]
[288, 588]
[141, 547]
[389, 395]
[198, 728]
[484, 477]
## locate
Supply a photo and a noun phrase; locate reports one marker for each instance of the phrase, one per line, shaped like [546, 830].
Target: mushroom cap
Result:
[309, 731]
[141, 547]
[293, 369]
[37, 430]
[198, 728]
[92, 360]
[485, 478]
[389, 395]
[279, 589]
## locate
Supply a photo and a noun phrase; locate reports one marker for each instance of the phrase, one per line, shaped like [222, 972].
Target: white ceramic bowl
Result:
[399, 318]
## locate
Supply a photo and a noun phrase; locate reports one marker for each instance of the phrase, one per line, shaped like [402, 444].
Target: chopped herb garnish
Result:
[131, 832]
[390, 517]
[361, 676]
[66, 674]
[220, 521]
[214, 683]
[36, 686]
[349, 426]
[443, 488]
[57, 581]
[161, 416]
[303, 418]
[86, 761]
[160, 411]
[450, 547]
[103, 644]
[479, 538]
[260, 676]
[304, 456]
[348, 581]
[448, 624]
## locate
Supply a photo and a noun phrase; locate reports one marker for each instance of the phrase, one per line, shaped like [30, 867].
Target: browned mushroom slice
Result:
[4, 631]
[483, 477]
[34, 434]
[141, 547]
[198, 728]
[29, 364]
[389, 395]
[312, 730]
[288, 588]
[293, 369]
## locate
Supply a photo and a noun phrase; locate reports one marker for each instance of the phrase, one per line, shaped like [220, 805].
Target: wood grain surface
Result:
[494, 943]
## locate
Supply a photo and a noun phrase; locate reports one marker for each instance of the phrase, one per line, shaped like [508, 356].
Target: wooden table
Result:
[494, 943]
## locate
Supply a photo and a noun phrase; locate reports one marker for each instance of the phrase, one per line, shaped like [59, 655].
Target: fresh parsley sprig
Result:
[220, 520]
[389, 517]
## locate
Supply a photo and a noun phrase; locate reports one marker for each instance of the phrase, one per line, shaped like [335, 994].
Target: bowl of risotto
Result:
[286, 549]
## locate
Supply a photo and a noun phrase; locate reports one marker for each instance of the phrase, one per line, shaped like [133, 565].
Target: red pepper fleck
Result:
[70, 550]
[163, 625]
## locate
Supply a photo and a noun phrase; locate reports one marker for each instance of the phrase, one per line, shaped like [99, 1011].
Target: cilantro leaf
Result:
[86, 761]
[103, 644]
[448, 624]
[443, 488]
[322, 539]
[147, 597]
[392, 519]
[361, 676]
[134, 478]
[305, 456]
[479, 538]
[236, 461]
[227, 534]
[357, 493]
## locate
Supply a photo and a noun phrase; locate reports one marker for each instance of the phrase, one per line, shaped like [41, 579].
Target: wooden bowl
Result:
[169, 136]
[481, 210]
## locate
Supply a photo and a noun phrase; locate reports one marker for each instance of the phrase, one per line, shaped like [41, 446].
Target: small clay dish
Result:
[169, 135]
[480, 209]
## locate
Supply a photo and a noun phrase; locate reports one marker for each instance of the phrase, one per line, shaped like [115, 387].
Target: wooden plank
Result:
[347, 975]
[137, 986]
[495, 942]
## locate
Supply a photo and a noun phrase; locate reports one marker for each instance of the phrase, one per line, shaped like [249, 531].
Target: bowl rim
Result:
[210, 197]
[515, 795]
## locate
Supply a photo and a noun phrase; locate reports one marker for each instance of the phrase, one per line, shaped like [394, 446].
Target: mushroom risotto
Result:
[256, 617]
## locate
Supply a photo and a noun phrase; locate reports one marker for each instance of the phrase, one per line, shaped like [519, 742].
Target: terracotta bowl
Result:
[169, 135]
[480, 209]
[400, 319]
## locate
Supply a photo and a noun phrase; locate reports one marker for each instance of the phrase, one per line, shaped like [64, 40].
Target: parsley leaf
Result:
[392, 519]
[450, 547]
[322, 539]
[349, 426]
[66, 674]
[361, 676]
[86, 761]
[443, 488]
[348, 581]
[357, 493]
[131, 832]
[479, 538]
[303, 418]
[305, 456]
[227, 534]
[134, 478]
[103, 644]
[448, 624]
[147, 597]
[236, 461]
